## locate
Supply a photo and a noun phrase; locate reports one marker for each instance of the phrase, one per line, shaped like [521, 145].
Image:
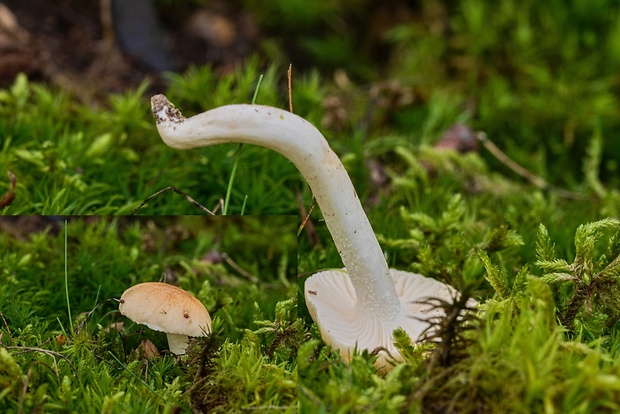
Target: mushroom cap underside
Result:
[346, 325]
[166, 308]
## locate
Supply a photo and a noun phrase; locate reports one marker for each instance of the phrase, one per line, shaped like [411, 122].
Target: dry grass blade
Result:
[306, 222]
[537, 181]
[24, 349]
[176, 190]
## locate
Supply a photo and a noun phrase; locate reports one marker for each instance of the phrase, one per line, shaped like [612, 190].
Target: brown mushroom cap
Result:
[166, 308]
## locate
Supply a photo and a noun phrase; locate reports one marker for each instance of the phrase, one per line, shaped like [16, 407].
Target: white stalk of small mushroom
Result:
[360, 306]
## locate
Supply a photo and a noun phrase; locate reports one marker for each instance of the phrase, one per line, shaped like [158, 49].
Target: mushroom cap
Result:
[346, 325]
[166, 308]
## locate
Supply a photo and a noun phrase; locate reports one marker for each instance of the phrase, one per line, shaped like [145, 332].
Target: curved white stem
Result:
[302, 144]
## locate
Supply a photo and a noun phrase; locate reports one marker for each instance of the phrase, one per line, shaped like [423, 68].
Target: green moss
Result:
[539, 78]
[44, 365]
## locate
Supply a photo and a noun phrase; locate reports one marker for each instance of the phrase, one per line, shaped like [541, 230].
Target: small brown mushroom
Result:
[166, 308]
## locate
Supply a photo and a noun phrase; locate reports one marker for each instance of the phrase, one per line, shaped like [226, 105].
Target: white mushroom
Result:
[357, 308]
[166, 308]
[346, 325]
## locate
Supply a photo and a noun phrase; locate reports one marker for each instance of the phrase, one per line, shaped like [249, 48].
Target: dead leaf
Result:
[8, 198]
[459, 137]
[147, 350]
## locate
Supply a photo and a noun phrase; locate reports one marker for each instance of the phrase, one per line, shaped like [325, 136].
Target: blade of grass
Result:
[231, 180]
[234, 169]
[245, 199]
[136, 377]
[62, 327]
[67, 282]
[260, 79]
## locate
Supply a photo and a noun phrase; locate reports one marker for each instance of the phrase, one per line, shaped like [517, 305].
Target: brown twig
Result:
[27, 380]
[107, 23]
[268, 408]
[537, 181]
[88, 315]
[23, 349]
[5, 324]
[306, 223]
[219, 205]
[22, 397]
[311, 396]
[176, 190]
[239, 269]
[290, 87]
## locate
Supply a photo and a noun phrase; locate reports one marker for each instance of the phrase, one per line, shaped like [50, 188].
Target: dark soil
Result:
[93, 48]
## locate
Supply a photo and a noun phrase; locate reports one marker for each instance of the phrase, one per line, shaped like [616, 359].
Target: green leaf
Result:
[545, 250]
[592, 161]
[100, 146]
[494, 276]
[550, 278]
[555, 265]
